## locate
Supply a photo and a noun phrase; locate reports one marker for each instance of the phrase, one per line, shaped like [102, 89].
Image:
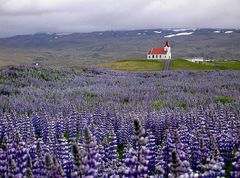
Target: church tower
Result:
[168, 49]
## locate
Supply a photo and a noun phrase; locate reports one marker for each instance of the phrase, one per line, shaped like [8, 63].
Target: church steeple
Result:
[167, 44]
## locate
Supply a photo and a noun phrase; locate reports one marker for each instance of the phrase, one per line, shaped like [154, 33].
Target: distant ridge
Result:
[95, 47]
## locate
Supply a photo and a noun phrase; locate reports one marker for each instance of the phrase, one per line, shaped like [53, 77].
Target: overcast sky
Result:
[33, 16]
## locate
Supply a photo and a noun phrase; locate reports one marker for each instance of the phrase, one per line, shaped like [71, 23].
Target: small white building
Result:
[160, 53]
[196, 60]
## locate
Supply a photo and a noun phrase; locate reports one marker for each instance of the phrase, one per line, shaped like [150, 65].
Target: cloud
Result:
[31, 16]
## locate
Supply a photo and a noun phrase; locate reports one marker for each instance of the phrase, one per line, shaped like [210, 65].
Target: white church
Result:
[160, 53]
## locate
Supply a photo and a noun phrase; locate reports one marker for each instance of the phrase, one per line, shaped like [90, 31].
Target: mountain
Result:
[96, 47]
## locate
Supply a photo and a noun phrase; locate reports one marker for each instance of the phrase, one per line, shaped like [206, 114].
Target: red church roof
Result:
[157, 51]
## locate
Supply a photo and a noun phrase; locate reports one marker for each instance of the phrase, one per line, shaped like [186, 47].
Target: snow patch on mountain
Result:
[179, 34]
[158, 32]
[63, 34]
[184, 29]
[228, 32]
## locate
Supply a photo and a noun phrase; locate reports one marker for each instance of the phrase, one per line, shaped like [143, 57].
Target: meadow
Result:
[135, 65]
[181, 64]
[140, 65]
[103, 123]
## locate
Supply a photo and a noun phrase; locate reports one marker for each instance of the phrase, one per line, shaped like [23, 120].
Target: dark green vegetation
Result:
[181, 104]
[135, 65]
[158, 104]
[224, 99]
[120, 149]
[90, 97]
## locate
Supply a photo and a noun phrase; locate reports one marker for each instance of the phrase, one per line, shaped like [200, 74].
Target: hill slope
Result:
[93, 48]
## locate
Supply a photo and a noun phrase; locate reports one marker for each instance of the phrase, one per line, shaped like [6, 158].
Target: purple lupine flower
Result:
[113, 150]
[236, 165]
[92, 153]
[73, 117]
[194, 156]
[151, 144]
[76, 162]
[214, 165]
[137, 161]
[63, 155]
[39, 169]
[12, 168]
[28, 173]
[53, 168]
[130, 163]
[59, 125]
[203, 154]
[22, 157]
[3, 157]
[176, 167]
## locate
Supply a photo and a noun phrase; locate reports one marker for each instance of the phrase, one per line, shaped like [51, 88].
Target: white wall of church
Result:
[162, 56]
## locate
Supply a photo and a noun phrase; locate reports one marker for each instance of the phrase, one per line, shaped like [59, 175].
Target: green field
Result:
[176, 64]
[225, 65]
[135, 65]
[181, 64]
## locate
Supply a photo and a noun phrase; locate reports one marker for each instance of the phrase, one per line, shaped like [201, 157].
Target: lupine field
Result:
[102, 123]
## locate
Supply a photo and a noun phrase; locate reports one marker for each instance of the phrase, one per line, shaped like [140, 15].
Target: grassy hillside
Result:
[225, 65]
[181, 64]
[135, 65]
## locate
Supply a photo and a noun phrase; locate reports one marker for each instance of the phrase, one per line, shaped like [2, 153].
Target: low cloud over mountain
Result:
[32, 16]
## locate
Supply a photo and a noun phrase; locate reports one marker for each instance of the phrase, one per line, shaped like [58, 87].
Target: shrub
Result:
[181, 104]
[224, 99]
[158, 104]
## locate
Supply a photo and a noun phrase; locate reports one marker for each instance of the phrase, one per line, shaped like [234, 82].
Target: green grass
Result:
[158, 104]
[90, 97]
[177, 64]
[67, 135]
[181, 64]
[1, 79]
[120, 149]
[181, 104]
[135, 65]
[225, 65]
[125, 100]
